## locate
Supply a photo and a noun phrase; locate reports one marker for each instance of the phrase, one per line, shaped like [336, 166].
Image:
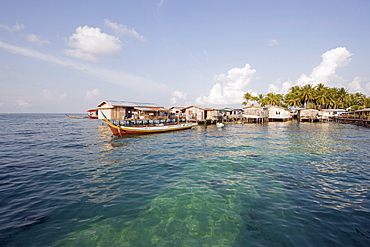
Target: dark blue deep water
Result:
[68, 182]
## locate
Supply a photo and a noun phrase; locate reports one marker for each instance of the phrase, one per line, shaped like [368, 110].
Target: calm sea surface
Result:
[68, 182]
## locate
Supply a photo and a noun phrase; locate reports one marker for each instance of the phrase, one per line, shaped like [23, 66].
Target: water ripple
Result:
[69, 183]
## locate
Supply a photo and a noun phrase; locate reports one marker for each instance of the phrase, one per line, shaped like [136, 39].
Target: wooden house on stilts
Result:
[132, 111]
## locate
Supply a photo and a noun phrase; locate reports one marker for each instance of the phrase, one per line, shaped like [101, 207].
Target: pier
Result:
[356, 121]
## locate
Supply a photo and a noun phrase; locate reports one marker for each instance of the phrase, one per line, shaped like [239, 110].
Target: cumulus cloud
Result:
[359, 85]
[324, 73]
[177, 97]
[35, 39]
[229, 88]
[355, 85]
[88, 43]
[14, 28]
[92, 94]
[23, 103]
[280, 87]
[120, 29]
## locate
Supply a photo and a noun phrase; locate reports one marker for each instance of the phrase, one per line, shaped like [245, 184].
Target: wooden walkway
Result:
[356, 121]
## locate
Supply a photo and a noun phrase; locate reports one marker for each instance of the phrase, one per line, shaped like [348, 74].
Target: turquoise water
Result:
[68, 182]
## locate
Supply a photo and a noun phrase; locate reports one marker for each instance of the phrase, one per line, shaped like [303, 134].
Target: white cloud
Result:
[123, 30]
[359, 85]
[273, 42]
[38, 100]
[35, 39]
[367, 86]
[47, 95]
[80, 54]
[177, 97]
[324, 73]
[120, 78]
[88, 43]
[279, 87]
[14, 28]
[92, 94]
[355, 85]
[229, 88]
[35, 54]
[23, 103]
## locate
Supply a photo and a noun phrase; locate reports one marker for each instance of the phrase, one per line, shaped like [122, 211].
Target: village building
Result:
[358, 117]
[328, 114]
[124, 110]
[363, 113]
[213, 115]
[309, 115]
[205, 115]
[254, 112]
[232, 114]
[195, 113]
[277, 113]
[177, 112]
[198, 114]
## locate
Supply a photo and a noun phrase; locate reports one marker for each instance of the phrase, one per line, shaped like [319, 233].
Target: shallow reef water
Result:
[68, 182]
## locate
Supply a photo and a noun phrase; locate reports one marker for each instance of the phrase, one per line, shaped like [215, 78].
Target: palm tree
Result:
[340, 96]
[321, 87]
[321, 96]
[367, 102]
[307, 94]
[293, 98]
[361, 99]
[261, 100]
[274, 99]
[248, 97]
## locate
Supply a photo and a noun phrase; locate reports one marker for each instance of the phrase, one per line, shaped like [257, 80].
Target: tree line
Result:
[312, 97]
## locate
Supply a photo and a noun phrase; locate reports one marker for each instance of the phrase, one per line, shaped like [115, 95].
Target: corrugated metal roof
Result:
[367, 109]
[151, 109]
[333, 110]
[128, 104]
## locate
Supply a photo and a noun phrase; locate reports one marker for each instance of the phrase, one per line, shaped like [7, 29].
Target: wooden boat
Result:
[92, 113]
[142, 130]
[220, 125]
[76, 117]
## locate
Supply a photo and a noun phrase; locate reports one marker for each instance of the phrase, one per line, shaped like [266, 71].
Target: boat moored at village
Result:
[76, 117]
[143, 130]
[220, 125]
[92, 113]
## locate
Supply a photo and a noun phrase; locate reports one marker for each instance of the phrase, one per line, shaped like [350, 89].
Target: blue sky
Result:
[68, 56]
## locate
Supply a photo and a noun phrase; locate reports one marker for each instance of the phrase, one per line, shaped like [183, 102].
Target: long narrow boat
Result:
[76, 117]
[142, 130]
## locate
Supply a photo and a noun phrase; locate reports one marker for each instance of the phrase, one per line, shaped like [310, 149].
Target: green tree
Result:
[261, 100]
[307, 94]
[274, 99]
[248, 97]
[293, 98]
[321, 96]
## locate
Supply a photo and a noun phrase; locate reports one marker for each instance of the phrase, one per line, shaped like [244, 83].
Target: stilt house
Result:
[124, 110]
[277, 113]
